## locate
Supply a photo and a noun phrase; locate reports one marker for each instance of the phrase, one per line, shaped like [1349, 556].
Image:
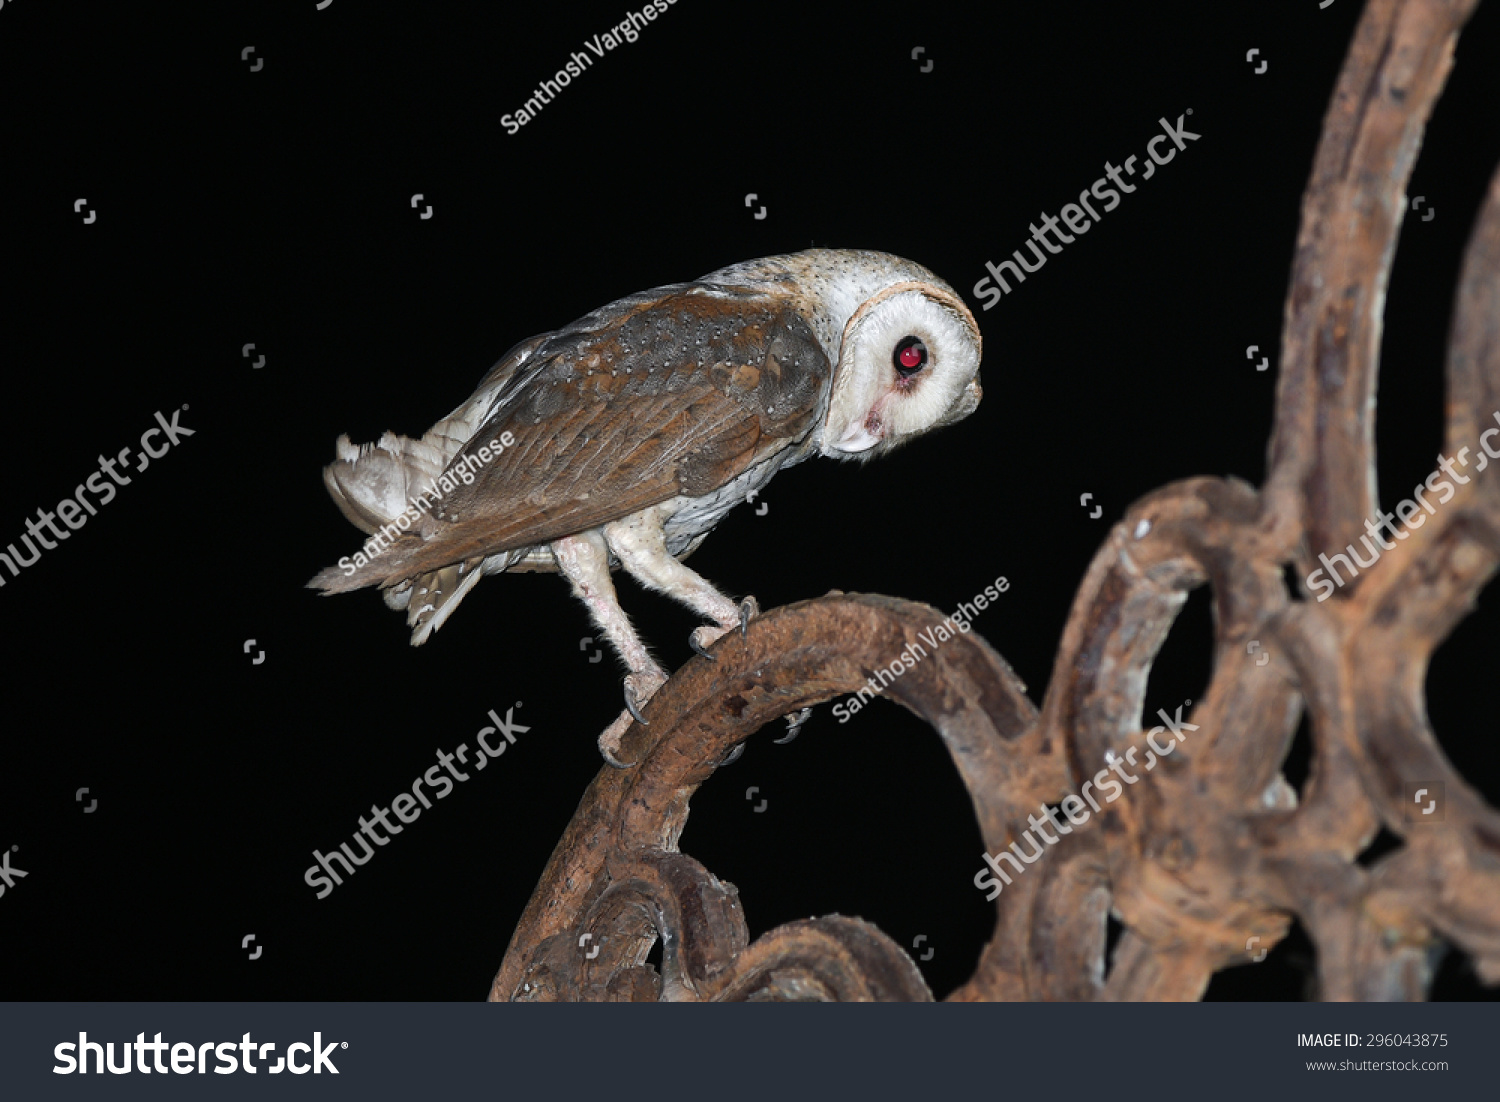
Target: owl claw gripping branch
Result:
[631, 432]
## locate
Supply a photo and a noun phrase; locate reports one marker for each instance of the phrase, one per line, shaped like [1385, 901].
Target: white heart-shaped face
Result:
[909, 362]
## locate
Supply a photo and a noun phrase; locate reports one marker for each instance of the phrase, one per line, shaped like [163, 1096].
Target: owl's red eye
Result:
[911, 356]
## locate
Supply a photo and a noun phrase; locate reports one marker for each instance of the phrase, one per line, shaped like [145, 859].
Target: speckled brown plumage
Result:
[628, 435]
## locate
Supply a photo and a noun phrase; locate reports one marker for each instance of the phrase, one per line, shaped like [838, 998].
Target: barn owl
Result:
[622, 439]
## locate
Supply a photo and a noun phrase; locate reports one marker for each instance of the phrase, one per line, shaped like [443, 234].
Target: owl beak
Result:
[861, 436]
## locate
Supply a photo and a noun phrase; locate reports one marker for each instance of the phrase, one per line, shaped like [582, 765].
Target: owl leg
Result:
[584, 560]
[642, 549]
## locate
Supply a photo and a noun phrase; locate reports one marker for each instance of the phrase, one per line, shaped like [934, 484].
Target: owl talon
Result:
[794, 725]
[612, 761]
[609, 741]
[633, 708]
[698, 647]
[734, 756]
[749, 609]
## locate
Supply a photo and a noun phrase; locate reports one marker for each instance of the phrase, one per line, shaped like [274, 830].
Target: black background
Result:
[274, 207]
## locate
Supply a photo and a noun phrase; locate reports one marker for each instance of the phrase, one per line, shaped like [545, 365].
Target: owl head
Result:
[908, 362]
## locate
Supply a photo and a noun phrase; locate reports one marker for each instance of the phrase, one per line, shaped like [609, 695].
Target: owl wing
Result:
[671, 392]
[373, 484]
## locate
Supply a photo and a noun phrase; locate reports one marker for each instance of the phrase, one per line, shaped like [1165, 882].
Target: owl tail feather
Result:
[434, 596]
[382, 569]
[373, 484]
[428, 599]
